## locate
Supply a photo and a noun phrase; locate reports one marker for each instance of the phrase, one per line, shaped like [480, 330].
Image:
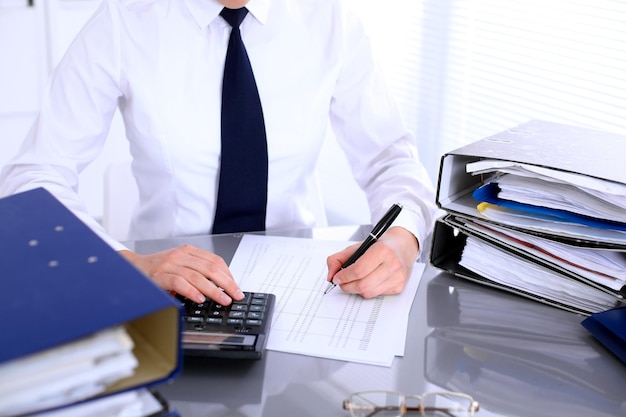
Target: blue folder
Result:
[489, 193]
[61, 282]
[609, 328]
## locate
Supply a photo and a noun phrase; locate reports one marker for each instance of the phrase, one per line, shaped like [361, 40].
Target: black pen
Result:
[380, 228]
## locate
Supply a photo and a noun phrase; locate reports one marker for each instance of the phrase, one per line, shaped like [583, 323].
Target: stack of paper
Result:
[553, 198]
[604, 267]
[73, 373]
[138, 403]
[66, 374]
[510, 270]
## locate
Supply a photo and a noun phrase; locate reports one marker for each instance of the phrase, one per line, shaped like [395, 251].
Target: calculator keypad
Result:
[247, 320]
[248, 313]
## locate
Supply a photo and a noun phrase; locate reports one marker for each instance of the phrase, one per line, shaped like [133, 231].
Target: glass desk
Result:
[515, 356]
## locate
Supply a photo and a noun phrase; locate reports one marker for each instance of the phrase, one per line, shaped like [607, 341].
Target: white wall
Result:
[33, 41]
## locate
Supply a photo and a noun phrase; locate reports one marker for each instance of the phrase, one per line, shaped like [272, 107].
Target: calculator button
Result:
[255, 315]
[234, 321]
[193, 319]
[254, 322]
[237, 315]
[257, 308]
[244, 300]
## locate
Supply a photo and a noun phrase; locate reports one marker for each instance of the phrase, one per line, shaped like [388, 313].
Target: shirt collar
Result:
[205, 12]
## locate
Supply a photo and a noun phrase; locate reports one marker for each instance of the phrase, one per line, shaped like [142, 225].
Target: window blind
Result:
[466, 69]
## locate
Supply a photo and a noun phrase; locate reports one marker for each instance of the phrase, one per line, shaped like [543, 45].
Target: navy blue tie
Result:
[242, 191]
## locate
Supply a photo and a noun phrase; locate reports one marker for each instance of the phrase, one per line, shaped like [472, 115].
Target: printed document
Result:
[336, 325]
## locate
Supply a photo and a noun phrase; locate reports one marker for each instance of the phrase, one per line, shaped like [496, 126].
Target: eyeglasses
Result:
[396, 404]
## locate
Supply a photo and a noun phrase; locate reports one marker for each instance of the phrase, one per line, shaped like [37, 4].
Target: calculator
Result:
[237, 331]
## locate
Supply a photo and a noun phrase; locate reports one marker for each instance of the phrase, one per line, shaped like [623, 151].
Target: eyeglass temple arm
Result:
[446, 410]
[375, 410]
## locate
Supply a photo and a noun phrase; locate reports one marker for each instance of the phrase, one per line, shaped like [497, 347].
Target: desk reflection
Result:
[518, 357]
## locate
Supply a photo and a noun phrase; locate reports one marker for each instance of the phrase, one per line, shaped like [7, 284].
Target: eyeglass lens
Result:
[446, 405]
[376, 403]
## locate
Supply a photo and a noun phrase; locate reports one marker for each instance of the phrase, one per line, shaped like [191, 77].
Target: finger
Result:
[384, 282]
[360, 269]
[209, 288]
[335, 261]
[192, 285]
[333, 265]
[377, 272]
[213, 268]
[177, 283]
[220, 293]
[365, 286]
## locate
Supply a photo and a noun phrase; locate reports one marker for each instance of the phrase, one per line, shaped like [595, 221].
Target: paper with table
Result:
[336, 325]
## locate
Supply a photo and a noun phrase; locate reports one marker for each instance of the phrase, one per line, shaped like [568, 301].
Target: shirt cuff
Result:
[415, 223]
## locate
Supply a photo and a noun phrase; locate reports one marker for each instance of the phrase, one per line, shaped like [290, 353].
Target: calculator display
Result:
[218, 339]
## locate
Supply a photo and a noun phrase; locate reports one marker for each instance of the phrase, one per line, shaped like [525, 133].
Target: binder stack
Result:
[82, 332]
[538, 210]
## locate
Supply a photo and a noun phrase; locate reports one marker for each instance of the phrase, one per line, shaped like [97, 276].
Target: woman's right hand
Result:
[189, 271]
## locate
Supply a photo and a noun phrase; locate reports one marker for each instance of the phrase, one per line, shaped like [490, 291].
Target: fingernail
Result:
[200, 299]
[225, 300]
[239, 295]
